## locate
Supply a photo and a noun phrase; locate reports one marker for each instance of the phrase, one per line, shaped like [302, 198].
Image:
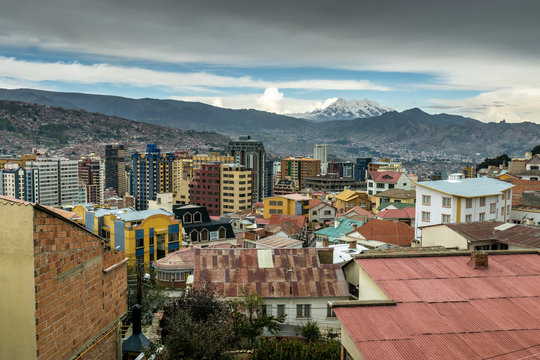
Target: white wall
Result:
[443, 236]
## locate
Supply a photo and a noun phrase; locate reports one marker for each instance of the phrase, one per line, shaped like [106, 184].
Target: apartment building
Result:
[236, 191]
[92, 177]
[379, 181]
[58, 181]
[250, 153]
[19, 182]
[115, 168]
[461, 200]
[299, 168]
[291, 205]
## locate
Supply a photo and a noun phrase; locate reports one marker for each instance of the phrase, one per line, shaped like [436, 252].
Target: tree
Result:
[250, 318]
[291, 348]
[197, 325]
[499, 160]
[536, 150]
[153, 297]
[311, 331]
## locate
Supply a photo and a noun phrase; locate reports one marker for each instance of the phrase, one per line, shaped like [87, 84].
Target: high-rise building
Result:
[200, 159]
[205, 188]
[19, 182]
[92, 177]
[298, 168]
[58, 181]
[320, 153]
[115, 168]
[469, 172]
[236, 191]
[269, 172]
[360, 171]
[152, 174]
[252, 155]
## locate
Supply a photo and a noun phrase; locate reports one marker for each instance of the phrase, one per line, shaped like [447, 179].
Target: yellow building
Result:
[144, 236]
[291, 204]
[236, 188]
[469, 172]
[182, 175]
[200, 159]
[347, 199]
[394, 196]
[385, 165]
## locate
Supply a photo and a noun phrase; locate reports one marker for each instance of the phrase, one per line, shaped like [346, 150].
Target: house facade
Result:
[461, 200]
[379, 181]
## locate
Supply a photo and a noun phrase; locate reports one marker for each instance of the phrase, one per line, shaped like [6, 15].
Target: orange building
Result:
[298, 168]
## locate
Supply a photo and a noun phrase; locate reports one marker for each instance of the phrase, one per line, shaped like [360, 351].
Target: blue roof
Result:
[345, 226]
[141, 215]
[105, 211]
[473, 187]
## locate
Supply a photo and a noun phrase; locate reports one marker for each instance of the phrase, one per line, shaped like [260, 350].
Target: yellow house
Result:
[290, 204]
[347, 199]
[393, 195]
[144, 236]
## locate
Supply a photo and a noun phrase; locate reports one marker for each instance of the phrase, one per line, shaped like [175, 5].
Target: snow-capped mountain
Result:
[342, 109]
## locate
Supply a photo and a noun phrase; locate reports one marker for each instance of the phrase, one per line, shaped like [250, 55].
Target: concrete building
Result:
[115, 168]
[379, 181]
[236, 191]
[528, 211]
[269, 173]
[58, 181]
[205, 188]
[463, 200]
[320, 153]
[362, 165]
[344, 169]
[299, 168]
[182, 175]
[92, 176]
[321, 212]
[19, 160]
[348, 199]
[152, 174]
[251, 154]
[291, 205]
[331, 183]
[63, 289]
[19, 182]
[201, 159]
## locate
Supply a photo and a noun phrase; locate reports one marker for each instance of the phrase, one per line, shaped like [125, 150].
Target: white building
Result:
[58, 181]
[379, 181]
[320, 153]
[463, 200]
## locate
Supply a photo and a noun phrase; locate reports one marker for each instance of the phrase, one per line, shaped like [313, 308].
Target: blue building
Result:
[361, 168]
[269, 190]
[20, 183]
[152, 174]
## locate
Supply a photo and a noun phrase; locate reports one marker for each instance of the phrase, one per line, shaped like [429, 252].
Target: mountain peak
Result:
[343, 109]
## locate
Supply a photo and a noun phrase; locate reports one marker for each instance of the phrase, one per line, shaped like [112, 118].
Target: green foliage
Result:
[499, 160]
[154, 297]
[197, 325]
[291, 348]
[536, 150]
[250, 318]
[311, 331]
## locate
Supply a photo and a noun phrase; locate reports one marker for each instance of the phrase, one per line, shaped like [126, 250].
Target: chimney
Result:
[478, 260]
[325, 242]
[352, 244]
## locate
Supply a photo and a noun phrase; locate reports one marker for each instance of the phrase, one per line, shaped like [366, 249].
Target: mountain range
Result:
[409, 131]
[342, 109]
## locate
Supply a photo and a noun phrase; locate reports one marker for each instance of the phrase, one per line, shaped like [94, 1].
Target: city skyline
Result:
[476, 60]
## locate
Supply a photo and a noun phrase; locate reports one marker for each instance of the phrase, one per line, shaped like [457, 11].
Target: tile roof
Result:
[406, 213]
[386, 176]
[446, 309]
[507, 233]
[357, 210]
[265, 272]
[390, 232]
[314, 202]
[472, 187]
[397, 194]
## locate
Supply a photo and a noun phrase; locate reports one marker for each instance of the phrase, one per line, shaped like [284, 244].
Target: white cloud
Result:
[511, 105]
[270, 100]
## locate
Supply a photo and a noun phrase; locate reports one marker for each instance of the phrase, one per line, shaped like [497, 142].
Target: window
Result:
[445, 219]
[425, 216]
[280, 203]
[482, 216]
[468, 203]
[173, 237]
[327, 212]
[468, 218]
[222, 234]
[446, 202]
[164, 276]
[194, 235]
[272, 211]
[151, 240]
[483, 201]
[187, 218]
[140, 260]
[314, 213]
[426, 199]
[390, 186]
[197, 217]
[139, 242]
[492, 208]
[280, 310]
[179, 276]
[303, 310]
[204, 235]
[370, 184]
[272, 203]
[330, 311]
[481, 247]
[380, 185]
[508, 209]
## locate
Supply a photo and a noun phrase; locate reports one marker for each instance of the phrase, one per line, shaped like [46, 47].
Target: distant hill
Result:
[409, 131]
[342, 109]
[24, 126]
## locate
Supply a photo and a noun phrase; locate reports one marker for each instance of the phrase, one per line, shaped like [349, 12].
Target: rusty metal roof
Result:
[277, 273]
[493, 230]
[446, 309]
[391, 232]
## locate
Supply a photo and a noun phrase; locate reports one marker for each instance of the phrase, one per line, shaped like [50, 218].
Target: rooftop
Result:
[397, 205]
[295, 197]
[472, 187]
[391, 232]
[279, 242]
[397, 194]
[141, 215]
[277, 273]
[447, 309]
[406, 213]
[386, 176]
[357, 210]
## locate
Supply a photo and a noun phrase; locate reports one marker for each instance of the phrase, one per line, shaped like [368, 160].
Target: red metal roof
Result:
[390, 232]
[446, 309]
[406, 213]
[386, 176]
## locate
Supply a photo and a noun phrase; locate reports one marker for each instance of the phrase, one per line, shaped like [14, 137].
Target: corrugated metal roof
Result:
[472, 187]
[521, 235]
[446, 309]
[278, 242]
[269, 273]
[141, 215]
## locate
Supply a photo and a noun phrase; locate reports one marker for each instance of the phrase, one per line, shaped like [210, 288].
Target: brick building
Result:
[205, 188]
[64, 291]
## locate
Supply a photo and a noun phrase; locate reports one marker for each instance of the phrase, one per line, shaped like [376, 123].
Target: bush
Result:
[296, 349]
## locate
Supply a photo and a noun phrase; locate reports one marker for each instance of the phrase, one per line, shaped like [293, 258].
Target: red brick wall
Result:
[76, 303]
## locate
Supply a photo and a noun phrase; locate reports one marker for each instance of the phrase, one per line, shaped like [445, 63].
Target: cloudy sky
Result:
[475, 58]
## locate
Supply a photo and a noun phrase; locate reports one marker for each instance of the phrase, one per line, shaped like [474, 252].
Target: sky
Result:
[479, 58]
